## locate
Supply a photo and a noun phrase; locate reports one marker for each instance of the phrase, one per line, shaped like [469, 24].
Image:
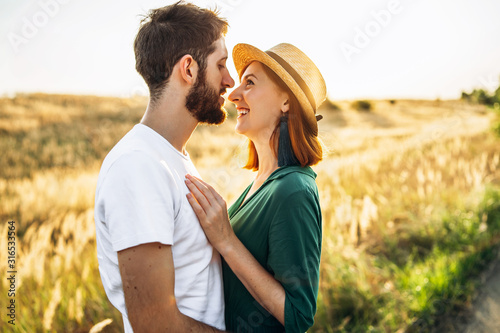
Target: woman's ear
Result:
[285, 107]
[188, 69]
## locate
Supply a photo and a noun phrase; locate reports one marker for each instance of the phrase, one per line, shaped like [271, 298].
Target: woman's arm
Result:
[211, 210]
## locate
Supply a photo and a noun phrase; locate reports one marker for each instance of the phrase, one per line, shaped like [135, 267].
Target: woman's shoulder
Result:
[294, 180]
[295, 199]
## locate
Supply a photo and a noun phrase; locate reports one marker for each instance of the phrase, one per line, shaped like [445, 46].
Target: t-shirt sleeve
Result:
[294, 256]
[138, 198]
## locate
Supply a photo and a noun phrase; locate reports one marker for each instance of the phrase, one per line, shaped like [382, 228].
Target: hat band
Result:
[302, 84]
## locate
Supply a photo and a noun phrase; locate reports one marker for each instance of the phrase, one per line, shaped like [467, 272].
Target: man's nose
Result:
[228, 81]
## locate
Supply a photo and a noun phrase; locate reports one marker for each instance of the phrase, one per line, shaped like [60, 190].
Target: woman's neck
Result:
[268, 162]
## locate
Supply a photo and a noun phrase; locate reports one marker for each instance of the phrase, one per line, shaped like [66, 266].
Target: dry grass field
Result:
[409, 191]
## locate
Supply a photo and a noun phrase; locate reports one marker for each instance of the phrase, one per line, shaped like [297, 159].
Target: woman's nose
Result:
[235, 95]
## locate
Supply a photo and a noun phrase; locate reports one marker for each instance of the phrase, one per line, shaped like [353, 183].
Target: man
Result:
[156, 264]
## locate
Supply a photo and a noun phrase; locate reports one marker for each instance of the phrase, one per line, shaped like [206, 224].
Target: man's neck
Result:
[170, 118]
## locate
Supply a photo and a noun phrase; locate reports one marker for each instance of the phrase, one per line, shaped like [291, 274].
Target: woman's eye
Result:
[249, 82]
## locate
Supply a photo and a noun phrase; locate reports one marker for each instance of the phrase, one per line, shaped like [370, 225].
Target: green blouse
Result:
[280, 224]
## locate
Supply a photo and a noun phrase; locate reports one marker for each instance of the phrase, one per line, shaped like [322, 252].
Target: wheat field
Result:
[409, 193]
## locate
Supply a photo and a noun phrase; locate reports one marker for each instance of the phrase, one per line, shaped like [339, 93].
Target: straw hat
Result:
[296, 70]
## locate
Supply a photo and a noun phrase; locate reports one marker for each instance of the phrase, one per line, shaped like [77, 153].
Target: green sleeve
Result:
[294, 256]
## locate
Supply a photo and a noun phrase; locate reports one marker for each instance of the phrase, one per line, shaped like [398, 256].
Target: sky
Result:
[364, 48]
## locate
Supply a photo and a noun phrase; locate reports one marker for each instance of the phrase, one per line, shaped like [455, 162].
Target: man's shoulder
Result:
[132, 167]
[132, 156]
[136, 147]
[133, 141]
[126, 149]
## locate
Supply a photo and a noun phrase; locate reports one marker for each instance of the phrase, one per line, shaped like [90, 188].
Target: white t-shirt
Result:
[141, 198]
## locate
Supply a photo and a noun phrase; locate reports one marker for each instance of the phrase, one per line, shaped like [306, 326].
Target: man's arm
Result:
[148, 277]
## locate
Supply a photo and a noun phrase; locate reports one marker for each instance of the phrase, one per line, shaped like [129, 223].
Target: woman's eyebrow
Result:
[248, 75]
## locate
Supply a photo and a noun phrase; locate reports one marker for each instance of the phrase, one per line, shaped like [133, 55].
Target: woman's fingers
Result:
[198, 210]
[214, 193]
[198, 194]
[203, 188]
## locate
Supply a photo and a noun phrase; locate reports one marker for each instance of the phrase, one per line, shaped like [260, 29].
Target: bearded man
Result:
[156, 264]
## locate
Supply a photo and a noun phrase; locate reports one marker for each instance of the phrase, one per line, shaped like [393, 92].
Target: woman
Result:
[272, 252]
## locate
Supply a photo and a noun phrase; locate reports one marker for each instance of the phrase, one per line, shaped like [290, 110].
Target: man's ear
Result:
[188, 69]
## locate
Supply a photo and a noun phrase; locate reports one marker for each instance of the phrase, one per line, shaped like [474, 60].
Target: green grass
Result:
[496, 124]
[426, 291]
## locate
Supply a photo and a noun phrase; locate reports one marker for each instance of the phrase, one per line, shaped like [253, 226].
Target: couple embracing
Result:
[172, 257]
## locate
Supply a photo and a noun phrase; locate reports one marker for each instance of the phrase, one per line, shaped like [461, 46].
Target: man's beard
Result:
[203, 102]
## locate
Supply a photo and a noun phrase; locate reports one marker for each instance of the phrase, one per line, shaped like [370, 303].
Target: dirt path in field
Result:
[485, 316]
[412, 123]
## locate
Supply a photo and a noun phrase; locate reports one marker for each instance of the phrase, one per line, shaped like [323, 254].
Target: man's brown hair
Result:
[167, 34]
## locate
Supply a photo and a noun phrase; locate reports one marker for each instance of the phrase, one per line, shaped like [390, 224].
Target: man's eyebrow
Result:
[223, 58]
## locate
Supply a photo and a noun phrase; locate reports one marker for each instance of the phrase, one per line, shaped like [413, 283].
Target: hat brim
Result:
[244, 54]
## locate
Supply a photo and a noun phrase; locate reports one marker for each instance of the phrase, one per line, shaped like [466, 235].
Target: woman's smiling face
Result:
[260, 103]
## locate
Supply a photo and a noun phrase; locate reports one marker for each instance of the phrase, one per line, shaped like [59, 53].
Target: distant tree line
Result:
[482, 96]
